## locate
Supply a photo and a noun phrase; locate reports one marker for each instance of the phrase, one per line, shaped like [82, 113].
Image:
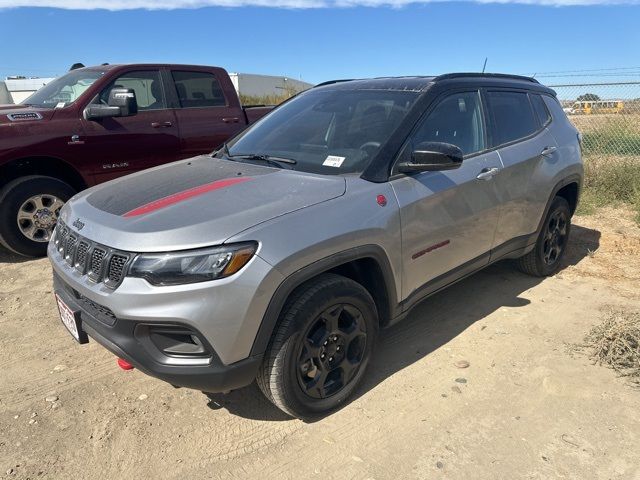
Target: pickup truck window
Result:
[64, 90]
[198, 90]
[147, 85]
[328, 131]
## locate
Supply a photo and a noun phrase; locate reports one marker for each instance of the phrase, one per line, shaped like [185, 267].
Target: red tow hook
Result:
[123, 364]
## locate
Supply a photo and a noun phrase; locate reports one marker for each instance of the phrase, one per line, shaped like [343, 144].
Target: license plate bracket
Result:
[72, 321]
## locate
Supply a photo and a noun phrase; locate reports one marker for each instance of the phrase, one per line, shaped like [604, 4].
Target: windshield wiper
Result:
[273, 160]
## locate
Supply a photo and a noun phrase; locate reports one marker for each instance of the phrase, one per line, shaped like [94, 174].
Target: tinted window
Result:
[512, 116]
[456, 120]
[541, 110]
[328, 131]
[198, 89]
[554, 106]
[146, 84]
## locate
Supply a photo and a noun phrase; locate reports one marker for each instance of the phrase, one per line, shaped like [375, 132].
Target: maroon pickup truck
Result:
[98, 123]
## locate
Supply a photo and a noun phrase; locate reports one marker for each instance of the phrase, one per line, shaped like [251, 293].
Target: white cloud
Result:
[298, 4]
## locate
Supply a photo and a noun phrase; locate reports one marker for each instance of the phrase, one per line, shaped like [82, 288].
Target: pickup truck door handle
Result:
[231, 120]
[487, 173]
[161, 124]
[548, 151]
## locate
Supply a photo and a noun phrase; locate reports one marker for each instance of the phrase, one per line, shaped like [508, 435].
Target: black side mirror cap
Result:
[433, 157]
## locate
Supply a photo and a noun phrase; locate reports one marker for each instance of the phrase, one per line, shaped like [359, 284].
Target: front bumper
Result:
[222, 317]
[130, 340]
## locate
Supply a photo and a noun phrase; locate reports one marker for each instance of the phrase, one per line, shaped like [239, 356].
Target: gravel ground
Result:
[524, 407]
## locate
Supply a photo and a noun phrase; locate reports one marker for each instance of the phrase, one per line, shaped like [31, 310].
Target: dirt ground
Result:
[525, 408]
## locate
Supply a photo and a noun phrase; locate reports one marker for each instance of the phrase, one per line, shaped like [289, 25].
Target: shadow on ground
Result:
[431, 324]
[9, 257]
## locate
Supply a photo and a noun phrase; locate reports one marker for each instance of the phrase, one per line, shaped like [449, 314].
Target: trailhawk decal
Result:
[430, 249]
[184, 195]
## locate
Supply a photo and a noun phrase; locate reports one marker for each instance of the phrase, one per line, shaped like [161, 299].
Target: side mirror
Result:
[121, 103]
[433, 157]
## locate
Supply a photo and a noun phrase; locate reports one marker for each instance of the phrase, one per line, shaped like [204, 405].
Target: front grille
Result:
[97, 257]
[70, 249]
[96, 310]
[116, 267]
[100, 263]
[81, 256]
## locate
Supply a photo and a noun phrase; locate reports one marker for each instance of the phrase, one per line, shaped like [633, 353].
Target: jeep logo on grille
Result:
[78, 224]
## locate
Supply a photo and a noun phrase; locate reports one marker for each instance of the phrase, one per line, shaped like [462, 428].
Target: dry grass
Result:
[616, 343]
[611, 180]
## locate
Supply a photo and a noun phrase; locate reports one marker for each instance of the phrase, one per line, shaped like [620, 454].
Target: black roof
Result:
[421, 83]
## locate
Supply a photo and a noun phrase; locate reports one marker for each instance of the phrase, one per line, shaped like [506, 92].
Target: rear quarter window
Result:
[540, 108]
[512, 116]
[198, 89]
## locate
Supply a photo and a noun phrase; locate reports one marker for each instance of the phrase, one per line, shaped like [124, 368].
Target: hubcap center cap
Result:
[44, 218]
[332, 350]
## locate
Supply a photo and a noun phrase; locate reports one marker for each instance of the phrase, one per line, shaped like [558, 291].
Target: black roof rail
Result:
[447, 76]
[331, 82]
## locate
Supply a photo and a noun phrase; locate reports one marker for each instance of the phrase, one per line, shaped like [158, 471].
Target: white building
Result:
[263, 85]
[20, 88]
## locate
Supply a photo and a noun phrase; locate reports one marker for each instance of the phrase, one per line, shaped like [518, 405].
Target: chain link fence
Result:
[608, 117]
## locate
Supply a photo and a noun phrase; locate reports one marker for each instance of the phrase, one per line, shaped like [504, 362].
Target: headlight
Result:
[178, 268]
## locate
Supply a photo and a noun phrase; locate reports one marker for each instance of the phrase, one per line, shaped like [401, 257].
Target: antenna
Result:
[485, 64]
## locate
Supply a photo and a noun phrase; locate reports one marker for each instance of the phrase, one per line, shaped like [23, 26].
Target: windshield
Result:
[64, 90]
[327, 131]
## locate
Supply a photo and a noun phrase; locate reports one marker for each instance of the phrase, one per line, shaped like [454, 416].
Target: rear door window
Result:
[512, 115]
[198, 90]
[541, 109]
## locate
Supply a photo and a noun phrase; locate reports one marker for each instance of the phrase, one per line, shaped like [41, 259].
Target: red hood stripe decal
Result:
[184, 195]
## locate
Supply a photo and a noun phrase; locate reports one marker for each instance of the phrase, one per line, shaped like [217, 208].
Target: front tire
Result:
[29, 209]
[546, 257]
[321, 347]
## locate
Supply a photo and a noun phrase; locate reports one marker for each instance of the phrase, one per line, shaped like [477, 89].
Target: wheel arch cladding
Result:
[45, 166]
[367, 265]
[570, 193]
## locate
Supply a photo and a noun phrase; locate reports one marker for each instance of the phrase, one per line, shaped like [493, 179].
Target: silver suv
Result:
[280, 257]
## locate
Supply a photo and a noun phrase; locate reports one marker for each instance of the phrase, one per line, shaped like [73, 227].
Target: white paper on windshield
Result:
[60, 105]
[333, 161]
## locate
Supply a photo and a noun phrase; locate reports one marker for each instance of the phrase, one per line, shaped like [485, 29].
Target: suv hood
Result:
[193, 203]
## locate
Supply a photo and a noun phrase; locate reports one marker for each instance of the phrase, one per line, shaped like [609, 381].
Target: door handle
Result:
[231, 120]
[548, 151]
[161, 124]
[487, 173]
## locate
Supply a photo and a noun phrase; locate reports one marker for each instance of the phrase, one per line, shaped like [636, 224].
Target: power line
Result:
[615, 75]
[587, 70]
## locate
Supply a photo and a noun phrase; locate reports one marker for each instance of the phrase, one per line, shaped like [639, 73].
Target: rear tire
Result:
[29, 209]
[320, 350]
[546, 257]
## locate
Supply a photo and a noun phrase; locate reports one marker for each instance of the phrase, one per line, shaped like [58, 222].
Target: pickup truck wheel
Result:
[321, 347]
[29, 209]
[546, 257]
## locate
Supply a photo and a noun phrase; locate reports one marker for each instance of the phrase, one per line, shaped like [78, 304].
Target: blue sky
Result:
[330, 41]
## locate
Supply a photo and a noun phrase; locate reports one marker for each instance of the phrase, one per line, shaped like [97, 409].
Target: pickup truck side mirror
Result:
[432, 157]
[122, 103]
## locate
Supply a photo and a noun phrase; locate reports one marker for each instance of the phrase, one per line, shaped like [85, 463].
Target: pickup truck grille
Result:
[99, 263]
